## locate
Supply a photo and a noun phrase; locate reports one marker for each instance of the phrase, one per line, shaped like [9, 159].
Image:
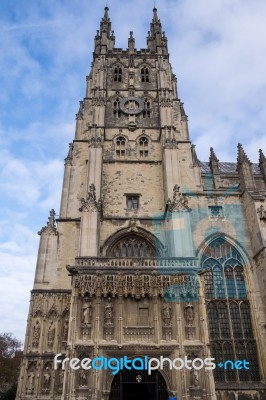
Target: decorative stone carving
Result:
[87, 313]
[179, 202]
[108, 313]
[47, 379]
[65, 330]
[90, 204]
[189, 314]
[173, 287]
[36, 334]
[261, 212]
[109, 320]
[37, 308]
[60, 379]
[50, 229]
[69, 158]
[83, 381]
[30, 381]
[194, 377]
[51, 334]
[166, 314]
[133, 225]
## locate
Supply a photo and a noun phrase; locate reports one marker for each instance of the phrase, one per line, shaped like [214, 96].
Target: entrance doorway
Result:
[138, 385]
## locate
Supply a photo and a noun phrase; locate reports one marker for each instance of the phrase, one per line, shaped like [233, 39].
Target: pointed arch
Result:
[228, 311]
[133, 242]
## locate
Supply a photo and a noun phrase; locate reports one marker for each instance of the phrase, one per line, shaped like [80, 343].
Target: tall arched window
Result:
[117, 74]
[143, 147]
[116, 108]
[145, 74]
[228, 310]
[146, 113]
[120, 147]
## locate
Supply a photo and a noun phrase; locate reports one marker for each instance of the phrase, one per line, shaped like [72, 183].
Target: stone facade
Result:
[154, 252]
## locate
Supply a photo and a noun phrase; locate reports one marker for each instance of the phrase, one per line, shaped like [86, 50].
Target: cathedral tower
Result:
[154, 253]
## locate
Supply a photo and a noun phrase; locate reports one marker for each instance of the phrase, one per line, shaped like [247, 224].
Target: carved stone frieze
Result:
[50, 228]
[137, 285]
[179, 202]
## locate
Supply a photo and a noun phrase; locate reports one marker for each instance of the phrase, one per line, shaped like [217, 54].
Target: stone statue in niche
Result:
[87, 313]
[47, 378]
[30, 381]
[167, 314]
[60, 378]
[108, 313]
[189, 313]
[36, 334]
[51, 334]
[194, 377]
[82, 378]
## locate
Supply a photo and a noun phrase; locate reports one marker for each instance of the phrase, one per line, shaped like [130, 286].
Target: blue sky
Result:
[217, 51]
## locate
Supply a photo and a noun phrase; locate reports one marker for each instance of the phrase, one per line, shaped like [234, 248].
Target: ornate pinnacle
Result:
[68, 159]
[262, 157]
[179, 202]
[213, 155]
[155, 16]
[262, 163]
[214, 162]
[50, 228]
[106, 14]
[241, 155]
[194, 156]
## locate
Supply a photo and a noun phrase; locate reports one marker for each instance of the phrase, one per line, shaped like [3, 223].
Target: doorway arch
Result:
[134, 384]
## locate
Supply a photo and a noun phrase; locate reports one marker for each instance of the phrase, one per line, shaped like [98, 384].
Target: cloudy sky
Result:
[218, 52]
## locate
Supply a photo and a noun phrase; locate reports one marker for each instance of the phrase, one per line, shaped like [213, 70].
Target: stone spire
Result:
[156, 40]
[244, 168]
[214, 162]
[262, 163]
[104, 39]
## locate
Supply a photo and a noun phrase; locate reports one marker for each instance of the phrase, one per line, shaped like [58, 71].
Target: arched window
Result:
[228, 310]
[117, 74]
[143, 147]
[146, 113]
[120, 147]
[132, 246]
[116, 108]
[144, 74]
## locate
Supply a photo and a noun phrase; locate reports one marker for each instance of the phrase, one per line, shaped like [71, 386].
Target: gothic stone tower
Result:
[154, 253]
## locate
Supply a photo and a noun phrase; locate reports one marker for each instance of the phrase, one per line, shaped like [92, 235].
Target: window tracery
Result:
[120, 147]
[145, 74]
[117, 74]
[228, 310]
[143, 147]
[146, 113]
[132, 246]
[116, 108]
